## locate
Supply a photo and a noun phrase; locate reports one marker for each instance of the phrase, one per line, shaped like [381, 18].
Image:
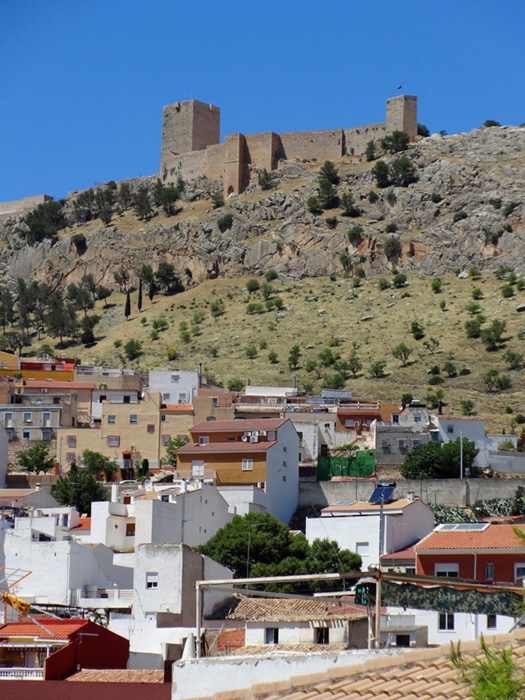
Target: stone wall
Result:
[449, 492]
[401, 114]
[357, 137]
[188, 126]
[215, 157]
[189, 166]
[263, 150]
[26, 204]
[309, 145]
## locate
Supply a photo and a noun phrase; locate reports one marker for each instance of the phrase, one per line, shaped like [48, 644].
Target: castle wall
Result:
[357, 137]
[264, 150]
[235, 175]
[189, 166]
[309, 145]
[25, 204]
[215, 157]
[401, 114]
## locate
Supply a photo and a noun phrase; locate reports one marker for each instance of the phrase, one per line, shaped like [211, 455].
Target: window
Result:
[402, 444]
[416, 443]
[321, 635]
[272, 635]
[71, 440]
[26, 435]
[491, 622]
[46, 434]
[165, 440]
[163, 418]
[166, 398]
[8, 419]
[133, 418]
[395, 418]
[450, 429]
[361, 548]
[27, 417]
[150, 429]
[271, 435]
[231, 439]
[349, 423]
[446, 621]
[197, 468]
[165, 499]
[46, 418]
[112, 419]
[284, 463]
[247, 465]
[70, 457]
[130, 529]
[175, 378]
[385, 444]
[519, 572]
[450, 570]
[182, 398]
[11, 434]
[152, 579]
[113, 441]
[4, 365]
[204, 440]
[489, 572]
[284, 478]
[417, 419]
[126, 399]
[285, 449]
[102, 398]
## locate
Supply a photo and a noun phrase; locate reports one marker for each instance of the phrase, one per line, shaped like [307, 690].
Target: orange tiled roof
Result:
[62, 629]
[493, 537]
[289, 610]
[59, 385]
[83, 524]
[194, 448]
[179, 407]
[214, 426]
[405, 553]
[416, 674]
[117, 675]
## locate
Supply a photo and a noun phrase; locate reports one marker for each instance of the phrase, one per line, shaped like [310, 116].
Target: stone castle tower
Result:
[191, 143]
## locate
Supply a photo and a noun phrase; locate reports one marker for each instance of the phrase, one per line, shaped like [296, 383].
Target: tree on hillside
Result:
[79, 488]
[395, 142]
[139, 301]
[274, 551]
[96, 463]
[172, 448]
[435, 460]
[127, 307]
[36, 459]
[402, 352]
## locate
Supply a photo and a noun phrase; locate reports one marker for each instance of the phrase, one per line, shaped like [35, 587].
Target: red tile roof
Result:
[493, 537]
[116, 675]
[405, 553]
[289, 610]
[83, 524]
[213, 447]
[52, 384]
[178, 407]
[214, 426]
[61, 629]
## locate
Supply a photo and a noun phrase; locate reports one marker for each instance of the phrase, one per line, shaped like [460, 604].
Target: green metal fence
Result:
[362, 464]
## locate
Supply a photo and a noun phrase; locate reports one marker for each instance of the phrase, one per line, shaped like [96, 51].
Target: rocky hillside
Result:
[481, 175]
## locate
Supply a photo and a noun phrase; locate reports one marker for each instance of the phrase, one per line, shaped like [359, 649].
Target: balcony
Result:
[21, 674]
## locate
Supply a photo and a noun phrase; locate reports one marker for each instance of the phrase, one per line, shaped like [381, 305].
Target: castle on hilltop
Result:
[191, 143]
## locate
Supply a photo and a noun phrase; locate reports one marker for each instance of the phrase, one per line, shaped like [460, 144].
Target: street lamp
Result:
[249, 541]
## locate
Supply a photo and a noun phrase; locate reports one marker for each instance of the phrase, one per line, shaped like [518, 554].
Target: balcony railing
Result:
[22, 674]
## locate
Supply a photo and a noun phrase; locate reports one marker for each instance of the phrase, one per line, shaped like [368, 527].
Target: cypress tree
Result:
[140, 295]
[127, 308]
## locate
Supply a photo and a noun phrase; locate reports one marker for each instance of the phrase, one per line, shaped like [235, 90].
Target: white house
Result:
[175, 386]
[359, 527]
[164, 602]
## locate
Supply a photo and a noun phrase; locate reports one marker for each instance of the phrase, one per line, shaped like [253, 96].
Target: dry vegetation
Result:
[317, 310]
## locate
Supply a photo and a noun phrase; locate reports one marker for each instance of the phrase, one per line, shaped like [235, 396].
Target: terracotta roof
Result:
[415, 674]
[405, 553]
[62, 629]
[16, 493]
[214, 426]
[289, 610]
[278, 649]
[492, 537]
[245, 447]
[117, 675]
[365, 507]
[179, 407]
[83, 524]
[58, 385]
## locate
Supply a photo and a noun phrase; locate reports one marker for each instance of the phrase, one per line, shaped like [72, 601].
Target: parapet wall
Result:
[26, 204]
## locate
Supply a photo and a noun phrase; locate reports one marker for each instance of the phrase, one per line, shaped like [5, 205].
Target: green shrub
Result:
[391, 228]
[270, 275]
[265, 180]
[373, 197]
[254, 309]
[314, 205]
[252, 285]
[370, 151]
[460, 215]
[477, 293]
[392, 247]
[225, 222]
[395, 142]
[491, 122]
[383, 284]
[79, 241]
[399, 280]
[348, 204]
[436, 197]
[507, 291]
[403, 172]
[217, 199]
[434, 381]
[436, 286]
[381, 172]
[391, 197]
[474, 273]
[509, 208]
[331, 221]
[422, 130]
[355, 235]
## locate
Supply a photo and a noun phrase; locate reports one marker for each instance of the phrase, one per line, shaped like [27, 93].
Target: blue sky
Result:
[83, 83]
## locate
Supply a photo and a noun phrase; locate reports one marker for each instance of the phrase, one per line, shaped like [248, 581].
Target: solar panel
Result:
[384, 491]
[465, 527]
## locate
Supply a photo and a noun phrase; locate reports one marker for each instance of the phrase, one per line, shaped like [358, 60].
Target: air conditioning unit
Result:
[263, 433]
[254, 438]
[44, 390]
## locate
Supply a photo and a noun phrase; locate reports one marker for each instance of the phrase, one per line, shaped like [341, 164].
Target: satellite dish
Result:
[401, 408]
[244, 438]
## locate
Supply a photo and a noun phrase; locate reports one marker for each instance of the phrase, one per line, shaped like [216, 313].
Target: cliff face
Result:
[481, 173]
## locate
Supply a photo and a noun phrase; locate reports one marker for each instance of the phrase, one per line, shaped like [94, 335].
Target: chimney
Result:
[411, 496]
[183, 486]
[37, 487]
[114, 492]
